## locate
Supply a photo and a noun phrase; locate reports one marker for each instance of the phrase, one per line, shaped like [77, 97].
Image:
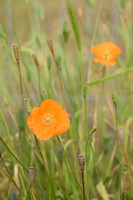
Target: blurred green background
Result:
[74, 28]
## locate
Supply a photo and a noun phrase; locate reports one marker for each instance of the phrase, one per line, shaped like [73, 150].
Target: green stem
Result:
[21, 86]
[69, 163]
[38, 145]
[39, 81]
[10, 178]
[118, 153]
[23, 167]
[86, 146]
[58, 74]
[82, 176]
[94, 36]
[86, 153]
[9, 174]
[124, 186]
[94, 160]
[106, 78]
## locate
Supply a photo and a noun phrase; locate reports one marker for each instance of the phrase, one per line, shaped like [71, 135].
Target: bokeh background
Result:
[29, 23]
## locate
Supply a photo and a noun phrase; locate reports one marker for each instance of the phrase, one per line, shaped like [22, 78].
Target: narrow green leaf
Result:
[106, 78]
[1, 31]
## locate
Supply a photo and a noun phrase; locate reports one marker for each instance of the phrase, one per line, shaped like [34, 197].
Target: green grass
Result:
[100, 129]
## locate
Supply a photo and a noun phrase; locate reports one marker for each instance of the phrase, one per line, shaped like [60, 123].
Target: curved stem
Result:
[24, 167]
[69, 163]
[9, 174]
[58, 74]
[117, 137]
[21, 86]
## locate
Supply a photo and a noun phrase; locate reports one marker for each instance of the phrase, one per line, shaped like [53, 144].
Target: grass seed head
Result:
[35, 60]
[50, 44]
[31, 175]
[16, 52]
[81, 162]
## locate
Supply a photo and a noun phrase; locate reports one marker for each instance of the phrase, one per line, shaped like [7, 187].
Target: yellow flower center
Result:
[106, 54]
[47, 120]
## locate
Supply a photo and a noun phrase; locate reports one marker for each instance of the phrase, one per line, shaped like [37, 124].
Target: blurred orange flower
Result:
[106, 53]
[48, 120]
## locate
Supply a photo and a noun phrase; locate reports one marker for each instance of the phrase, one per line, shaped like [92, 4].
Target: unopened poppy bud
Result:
[84, 91]
[35, 60]
[124, 168]
[114, 100]
[27, 101]
[43, 95]
[16, 52]
[81, 162]
[31, 175]
[50, 44]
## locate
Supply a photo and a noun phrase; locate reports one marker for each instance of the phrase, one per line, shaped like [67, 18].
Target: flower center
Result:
[47, 120]
[106, 54]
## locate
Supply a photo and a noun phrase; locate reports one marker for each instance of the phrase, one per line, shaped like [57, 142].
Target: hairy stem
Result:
[118, 153]
[9, 174]
[23, 167]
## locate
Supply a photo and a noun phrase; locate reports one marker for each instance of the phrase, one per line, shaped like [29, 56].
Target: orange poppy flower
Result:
[48, 120]
[106, 53]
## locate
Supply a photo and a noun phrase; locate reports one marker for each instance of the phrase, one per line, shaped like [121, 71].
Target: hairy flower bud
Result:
[16, 52]
[81, 162]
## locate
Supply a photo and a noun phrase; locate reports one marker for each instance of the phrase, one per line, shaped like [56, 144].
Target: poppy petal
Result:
[63, 123]
[105, 62]
[96, 50]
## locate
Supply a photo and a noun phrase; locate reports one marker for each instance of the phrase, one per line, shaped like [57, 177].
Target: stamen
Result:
[106, 55]
[48, 119]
